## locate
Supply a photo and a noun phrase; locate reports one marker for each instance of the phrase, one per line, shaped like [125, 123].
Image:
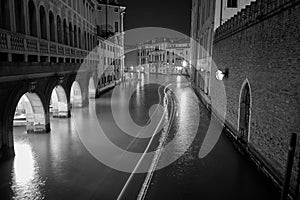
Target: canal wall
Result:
[260, 47]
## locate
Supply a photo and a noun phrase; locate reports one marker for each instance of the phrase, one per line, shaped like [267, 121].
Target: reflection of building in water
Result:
[164, 55]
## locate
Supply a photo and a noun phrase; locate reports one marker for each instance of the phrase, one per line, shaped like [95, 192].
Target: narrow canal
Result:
[60, 166]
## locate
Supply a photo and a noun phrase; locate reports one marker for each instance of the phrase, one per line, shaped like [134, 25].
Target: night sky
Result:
[171, 14]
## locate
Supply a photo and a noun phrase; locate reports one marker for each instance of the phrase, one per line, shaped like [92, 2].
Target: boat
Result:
[20, 119]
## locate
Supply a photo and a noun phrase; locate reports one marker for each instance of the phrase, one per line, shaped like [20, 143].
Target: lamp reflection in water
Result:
[26, 183]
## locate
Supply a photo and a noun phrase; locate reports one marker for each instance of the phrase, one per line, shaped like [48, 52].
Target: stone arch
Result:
[244, 117]
[76, 98]
[34, 114]
[38, 103]
[32, 18]
[52, 26]
[19, 16]
[59, 102]
[43, 23]
[92, 88]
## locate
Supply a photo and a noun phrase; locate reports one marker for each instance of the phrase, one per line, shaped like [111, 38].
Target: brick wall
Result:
[262, 44]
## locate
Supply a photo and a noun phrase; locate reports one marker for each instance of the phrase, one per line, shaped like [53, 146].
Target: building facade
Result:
[165, 56]
[258, 48]
[63, 31]
[53, 57]
[205, 18]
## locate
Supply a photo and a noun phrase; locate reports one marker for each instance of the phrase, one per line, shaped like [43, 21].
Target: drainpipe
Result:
[221, 12]
[106, 5]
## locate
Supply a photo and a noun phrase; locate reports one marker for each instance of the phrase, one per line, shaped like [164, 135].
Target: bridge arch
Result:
[59, 102]
[76, 98]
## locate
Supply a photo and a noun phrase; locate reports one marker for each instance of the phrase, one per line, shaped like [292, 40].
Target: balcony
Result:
[16, 43]
[105, 31]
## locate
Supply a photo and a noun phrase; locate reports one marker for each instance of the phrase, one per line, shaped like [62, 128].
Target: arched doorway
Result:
[52, 28]
[76, 95]
[30, 113]
[32, 18]
[4, 14]
[70, 34]
[92, 88]
[75, 36]
[79, 37]
[59, 29]
[245, 112]
[58, 102]
[65, 32]
[43, 23]
[19, 16]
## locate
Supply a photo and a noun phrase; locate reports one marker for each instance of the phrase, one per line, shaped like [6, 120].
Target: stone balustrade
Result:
[11, 42]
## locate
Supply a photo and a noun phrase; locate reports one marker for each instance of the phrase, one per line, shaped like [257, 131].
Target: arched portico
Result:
[59, 102]
[30, 113]
[76, 95]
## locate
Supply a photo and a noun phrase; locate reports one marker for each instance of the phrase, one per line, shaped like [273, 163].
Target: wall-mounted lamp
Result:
[184, 63]
[220, 75]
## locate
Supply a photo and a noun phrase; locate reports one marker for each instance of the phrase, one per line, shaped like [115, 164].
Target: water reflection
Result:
[26, 181]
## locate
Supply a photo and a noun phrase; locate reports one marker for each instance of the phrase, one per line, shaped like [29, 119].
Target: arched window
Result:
[245, 111]
[43, 23]
[19, 16]
[59, 29]
[91, 42]
[52, 28]
[32, 18]
[84, 40]
[75, 36]
[88, 42]
[70, 34]
[65, 32]
[79, 38]
[83, 8]
[4, 14]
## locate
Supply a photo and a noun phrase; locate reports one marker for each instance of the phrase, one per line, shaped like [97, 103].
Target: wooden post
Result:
[298, 181]
[289, 166]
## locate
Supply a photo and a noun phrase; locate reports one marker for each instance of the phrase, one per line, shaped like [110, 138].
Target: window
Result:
[116, 10]
[232, 4]
[116, 27]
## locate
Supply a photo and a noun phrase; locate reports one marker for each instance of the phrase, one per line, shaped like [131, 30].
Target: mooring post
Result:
[298, 180]
[289, 167]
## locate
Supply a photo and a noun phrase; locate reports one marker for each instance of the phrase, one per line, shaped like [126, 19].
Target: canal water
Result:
[59, 166]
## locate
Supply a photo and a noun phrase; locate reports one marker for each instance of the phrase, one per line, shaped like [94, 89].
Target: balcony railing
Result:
[11, 42]
[105, 31]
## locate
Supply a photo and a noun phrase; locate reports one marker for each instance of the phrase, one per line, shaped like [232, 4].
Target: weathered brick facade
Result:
[261, 44]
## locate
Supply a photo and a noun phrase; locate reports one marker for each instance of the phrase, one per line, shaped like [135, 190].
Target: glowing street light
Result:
[219, 75]
[184, 63]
